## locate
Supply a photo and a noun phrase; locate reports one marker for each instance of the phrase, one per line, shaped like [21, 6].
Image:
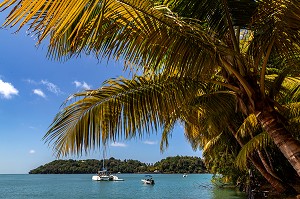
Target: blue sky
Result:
[32, 89]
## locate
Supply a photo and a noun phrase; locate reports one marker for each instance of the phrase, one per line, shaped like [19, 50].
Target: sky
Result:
[32, 90]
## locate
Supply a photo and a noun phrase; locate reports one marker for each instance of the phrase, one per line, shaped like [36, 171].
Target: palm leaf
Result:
[136, 31]
[211, 143]
[122, 109]
[250, 126]
[278, 21]
[258, 142]
[167, 130]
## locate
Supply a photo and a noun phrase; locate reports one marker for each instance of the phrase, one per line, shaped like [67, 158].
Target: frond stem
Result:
[231, 87]
[241, 79]
[264, 67]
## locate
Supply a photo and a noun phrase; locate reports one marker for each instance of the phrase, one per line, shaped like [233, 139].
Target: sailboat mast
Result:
[103, 161]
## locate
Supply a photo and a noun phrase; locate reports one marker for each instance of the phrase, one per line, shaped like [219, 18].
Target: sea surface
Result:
[81, 186]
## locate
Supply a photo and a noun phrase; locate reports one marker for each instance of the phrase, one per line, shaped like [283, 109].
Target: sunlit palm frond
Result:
[292, 89]
[211, 143]
[121, 109]
[167, 130]
[292, 113]
[277, 84]
[210, 115]
[292, 110]
[249, 126]
[258, 142]
[136, 31]
[276, 21]
[195, 135]
[219, 106]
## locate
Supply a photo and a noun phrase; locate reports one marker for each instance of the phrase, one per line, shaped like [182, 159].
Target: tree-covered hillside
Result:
[178, 164]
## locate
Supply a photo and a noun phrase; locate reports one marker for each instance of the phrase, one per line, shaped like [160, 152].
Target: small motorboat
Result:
[184, 175]
[116, 178]
[148, 180]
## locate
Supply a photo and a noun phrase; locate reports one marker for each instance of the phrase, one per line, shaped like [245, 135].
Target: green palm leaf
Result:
[137, 31]
[250, 126]
[121, 109]
[258, 142]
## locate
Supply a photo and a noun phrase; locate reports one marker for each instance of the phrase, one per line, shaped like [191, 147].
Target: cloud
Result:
[32, 151]
[30, 81]
[150, 142]
[39, 92]
[51, 87]
[118, 144]
[7, 90]
[82, 85]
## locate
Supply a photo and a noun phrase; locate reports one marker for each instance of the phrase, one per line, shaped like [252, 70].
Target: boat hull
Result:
[150, 182]
[106, 178]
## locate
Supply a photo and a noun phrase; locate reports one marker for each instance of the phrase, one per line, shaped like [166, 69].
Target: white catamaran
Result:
[104, 175]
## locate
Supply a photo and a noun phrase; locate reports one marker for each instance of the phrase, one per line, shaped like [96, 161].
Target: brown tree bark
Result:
[280, 186]
[288, 145]
[272, 178]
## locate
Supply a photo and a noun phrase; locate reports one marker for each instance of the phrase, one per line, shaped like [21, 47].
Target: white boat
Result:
[116, 178]
[184, 175]
[148, 180]
[104, 175]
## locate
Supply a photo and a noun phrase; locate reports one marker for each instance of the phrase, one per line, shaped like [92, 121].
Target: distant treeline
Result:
[177, 164]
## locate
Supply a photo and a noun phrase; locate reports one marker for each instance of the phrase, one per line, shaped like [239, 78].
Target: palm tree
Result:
[202, 40]
[144, 104]
[217, 136]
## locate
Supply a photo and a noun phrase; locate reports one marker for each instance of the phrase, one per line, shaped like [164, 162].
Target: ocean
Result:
[81, 186]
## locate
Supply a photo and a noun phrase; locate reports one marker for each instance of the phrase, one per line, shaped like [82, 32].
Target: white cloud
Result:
[118, 144]
[51, 87]
[82, 85]
[77, 84]
[7, 90]
[32, 151]
[30, 81]
[150, 142]
[39, 92]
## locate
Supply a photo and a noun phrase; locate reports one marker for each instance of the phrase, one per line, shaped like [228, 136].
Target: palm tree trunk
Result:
[283, 139]
[266, 165]
[276, 183]
[280, 187]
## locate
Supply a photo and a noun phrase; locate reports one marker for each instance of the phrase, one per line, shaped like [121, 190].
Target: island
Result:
[176, 164]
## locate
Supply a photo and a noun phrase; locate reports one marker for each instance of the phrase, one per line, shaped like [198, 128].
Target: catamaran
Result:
[104, 175]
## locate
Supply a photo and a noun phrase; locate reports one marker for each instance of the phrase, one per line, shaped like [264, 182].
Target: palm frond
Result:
[121, 109]
[167, 130]
[278, 21]
[258, 142]
[219, 106]
[137, 31]
[250, 126]
[277, 84]
[211, 143]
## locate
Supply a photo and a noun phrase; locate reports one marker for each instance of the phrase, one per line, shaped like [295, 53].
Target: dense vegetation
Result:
[227, 70]
[178, 164]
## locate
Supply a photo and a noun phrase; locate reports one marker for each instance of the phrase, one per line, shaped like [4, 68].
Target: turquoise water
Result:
[77, 186]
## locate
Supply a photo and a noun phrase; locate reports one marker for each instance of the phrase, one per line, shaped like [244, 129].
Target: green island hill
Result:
[177, 164]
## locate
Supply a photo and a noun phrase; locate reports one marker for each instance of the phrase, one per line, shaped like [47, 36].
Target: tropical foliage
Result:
[178, 164]
[227, 70]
